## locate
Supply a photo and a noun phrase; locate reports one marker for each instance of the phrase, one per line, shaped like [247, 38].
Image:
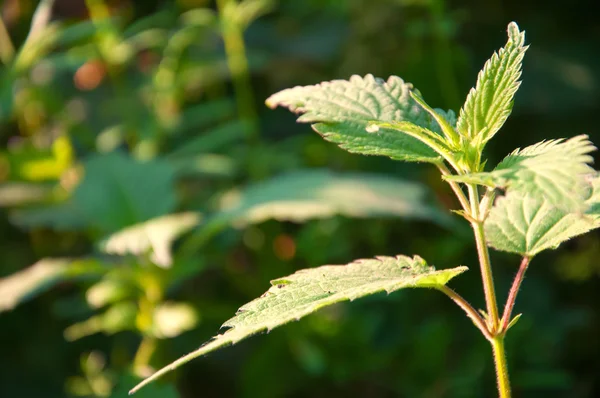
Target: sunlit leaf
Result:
[293, 297]
[490, 102]
[41, 276]
[154, 236]
[340, 111]
[554, 170]
[526, 224]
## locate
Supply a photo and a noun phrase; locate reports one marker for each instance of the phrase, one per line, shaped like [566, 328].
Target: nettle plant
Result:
[535, 199]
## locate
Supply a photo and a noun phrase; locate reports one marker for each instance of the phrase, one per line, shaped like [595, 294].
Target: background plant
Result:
[312, 43]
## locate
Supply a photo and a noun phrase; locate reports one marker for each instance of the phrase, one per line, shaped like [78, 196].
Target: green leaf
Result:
[526, 224]
[118, 191]
[489, 104]
[446, 126]
[340, 111]
[293, 297]
[554, 170]
[155, 236]
[303, 195]
[40, 277]
[225, 134]
[433, 140]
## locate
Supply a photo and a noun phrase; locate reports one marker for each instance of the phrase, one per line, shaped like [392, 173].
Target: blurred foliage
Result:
[140, 175]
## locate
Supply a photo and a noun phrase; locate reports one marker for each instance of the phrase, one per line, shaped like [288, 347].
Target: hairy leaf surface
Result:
[340, 111]
[551, 170]
[306, 291]
[490, 102]
[526, 224]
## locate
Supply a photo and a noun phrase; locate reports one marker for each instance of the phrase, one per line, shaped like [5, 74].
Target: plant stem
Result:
[484, 261]
[237, 61]
[471, 312]
[7, 50]
[33, 47]
[143, 355]
[501, 367]
[455, 187]
[512, 295]
[490, 295]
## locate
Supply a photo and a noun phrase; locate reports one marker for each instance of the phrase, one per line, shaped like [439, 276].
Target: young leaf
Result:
[446, 126]
[526, 224]
[340, 111]
[554, 170]
[489, 104]
[306, 291]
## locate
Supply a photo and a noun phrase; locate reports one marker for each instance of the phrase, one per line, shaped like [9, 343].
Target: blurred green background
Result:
[146, 193]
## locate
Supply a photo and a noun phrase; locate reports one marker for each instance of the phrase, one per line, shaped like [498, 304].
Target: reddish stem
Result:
[512, 295]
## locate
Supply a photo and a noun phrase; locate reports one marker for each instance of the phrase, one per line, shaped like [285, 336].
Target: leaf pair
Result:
[343, 112]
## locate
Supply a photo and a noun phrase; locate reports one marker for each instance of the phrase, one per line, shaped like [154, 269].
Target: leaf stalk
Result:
[455, 188]
[469, 310]
[512, 295]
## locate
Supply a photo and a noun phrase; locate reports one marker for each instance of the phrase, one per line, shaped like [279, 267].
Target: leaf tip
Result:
[514, 321]
[514, 33]
[270, 102]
